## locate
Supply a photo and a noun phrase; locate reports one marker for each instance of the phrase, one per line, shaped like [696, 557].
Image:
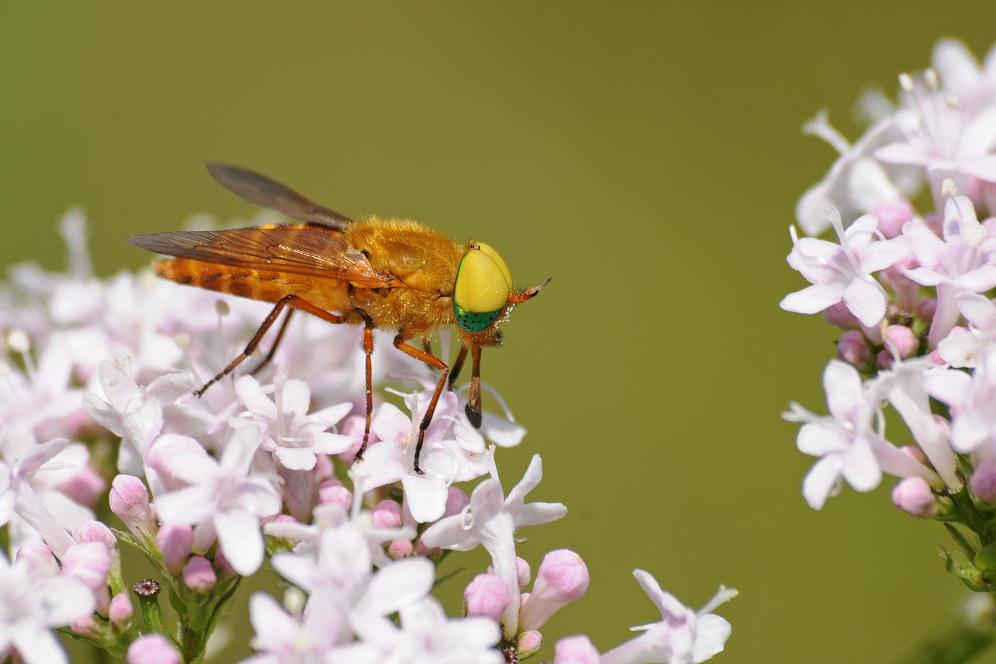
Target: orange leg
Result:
[276, 343]
[289, 300]
[457, 365]
[368, 347]
[435, 363]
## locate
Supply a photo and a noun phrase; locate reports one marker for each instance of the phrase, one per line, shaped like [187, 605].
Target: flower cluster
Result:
[97, 412]
[909, 276]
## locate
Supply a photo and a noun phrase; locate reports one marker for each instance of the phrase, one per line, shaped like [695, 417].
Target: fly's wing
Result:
[263, 191]
[299, 249]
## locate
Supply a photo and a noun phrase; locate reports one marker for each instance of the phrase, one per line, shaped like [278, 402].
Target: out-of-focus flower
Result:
[682, 636]
[152, 649]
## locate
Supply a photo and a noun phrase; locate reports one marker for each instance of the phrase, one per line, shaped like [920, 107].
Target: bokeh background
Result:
[648, 155]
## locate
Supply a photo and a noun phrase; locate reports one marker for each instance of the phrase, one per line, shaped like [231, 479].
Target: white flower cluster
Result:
[96, 404]
[911, 287]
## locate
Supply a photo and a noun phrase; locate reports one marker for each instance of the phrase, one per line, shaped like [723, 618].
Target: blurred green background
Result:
[646, 154]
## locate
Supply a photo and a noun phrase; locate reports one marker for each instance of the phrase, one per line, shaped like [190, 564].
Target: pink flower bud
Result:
[95, 531]
[40, 559]
[121, 610]
[884, 359]
[88, 563]
[456, 500]
[913, 496]
[521, 569]
[353, 426]
[386, 514]
[198, 575]
[575, 650]
[486, 595]
[400, 548]
[983, 482]
[892, 216]
[853, 349]
[332, 492]
[840, 316]
[152, 649]
[925, 310]
[85, 626]
[85, 487]
[562, 577]
[902, 339]
[175, 542]
[529, 642]
[130, 501]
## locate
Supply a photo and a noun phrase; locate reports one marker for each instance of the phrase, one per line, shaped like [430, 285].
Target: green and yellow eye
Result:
[482, 287]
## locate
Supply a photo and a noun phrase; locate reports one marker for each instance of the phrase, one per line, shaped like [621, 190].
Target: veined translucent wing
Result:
[269, 193]
[298, 248]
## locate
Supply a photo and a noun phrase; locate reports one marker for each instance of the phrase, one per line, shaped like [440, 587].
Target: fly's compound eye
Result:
[482, 287]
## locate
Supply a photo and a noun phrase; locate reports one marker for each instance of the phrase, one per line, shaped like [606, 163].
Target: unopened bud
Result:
[152, 649]
[913, 496]
[575, 650]
[198, 575]
[386, 514]
[121, 610]
[902, 340]
[175, 541]
[853, 349]
[529, 642]
[486, 595]
[562, 577]
[983, 482]
[892, 216]
[129, 500]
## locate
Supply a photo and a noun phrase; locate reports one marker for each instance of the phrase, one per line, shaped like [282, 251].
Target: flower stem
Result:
[147, 592]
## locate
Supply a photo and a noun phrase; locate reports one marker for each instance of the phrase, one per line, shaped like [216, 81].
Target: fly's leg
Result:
[435, 363]
[473, 408]
[368, 347]
[457, 365]
[276, 343]
[289, 300]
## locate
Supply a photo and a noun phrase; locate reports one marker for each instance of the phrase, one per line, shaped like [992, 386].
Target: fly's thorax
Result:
[483, 284]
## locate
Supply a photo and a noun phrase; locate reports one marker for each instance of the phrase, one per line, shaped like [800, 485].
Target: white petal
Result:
[530, 480]
[666, 603]
[500, 431]
[273, 627]
[842, 385]
[295, 458]
[978, 310]
[396, 585]
[821, 437]
[390, 424]
[866, 299]
[296, 397]
[332, 414]
[251, 394]
[821, 480]
[449, 533]
[186, 506]
[711, 633]
[65, 600]
[812, 299]
[332, 443]
[39, 647]
[240, 540]
[950, 386]
[860, 468]
[536, 514]
[426, 497]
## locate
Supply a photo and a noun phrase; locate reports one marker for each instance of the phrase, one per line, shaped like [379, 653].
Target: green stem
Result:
[956, 646]
[147, 592]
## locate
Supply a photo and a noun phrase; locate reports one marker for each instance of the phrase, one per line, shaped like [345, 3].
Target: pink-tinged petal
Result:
[865, 298]
[957, 67]
[711, 633]
[257, 495]
[170, 387]
[927, 247]
[117, 385]
[449, 533]
[968, 434]
[38, 647]
[397, 585]
[980, 134]
[273, 627]
[295, 458]
[821, 481]
[950, 386]
[925, 277]
[644, 649]
[530, 480]
[29, 507]
[189, 506]
[820, 438]
[500, 431]
[426, 497]
[240, 450]
[842, 385]
[903, 153]
[487, 500]
[959, 348]
[251, 394]
[900, 464]
[332, 414]
[884, 253]
[39, 456]
[666, 603]
[296, 397]
[332, 443]
[978, 310]
[65, 600]
[812, 299]
[240, 540]
[859, 466]
[978, 280]
[536, 514]
[390, 424]
[383, 463]
[300, 571]
[188, 465]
